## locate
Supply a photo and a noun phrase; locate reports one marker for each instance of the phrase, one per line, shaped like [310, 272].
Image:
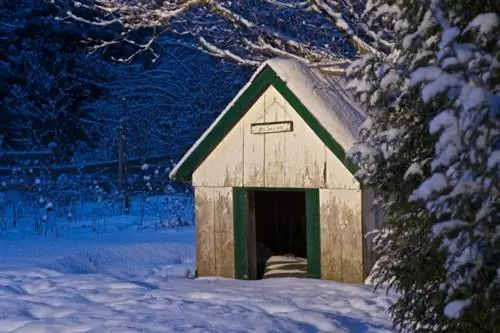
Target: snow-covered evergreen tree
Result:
[431, 149]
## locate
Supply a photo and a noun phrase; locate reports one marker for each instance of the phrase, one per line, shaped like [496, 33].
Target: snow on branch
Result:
[312, 30]
[214, 50]
[131, 14]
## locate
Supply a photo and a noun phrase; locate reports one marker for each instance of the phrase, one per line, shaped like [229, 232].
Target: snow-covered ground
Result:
[125, 280]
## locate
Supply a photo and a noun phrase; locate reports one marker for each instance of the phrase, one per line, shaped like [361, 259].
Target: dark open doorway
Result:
[277, 227]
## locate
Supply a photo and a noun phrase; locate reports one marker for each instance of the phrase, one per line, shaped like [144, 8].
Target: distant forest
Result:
[57, 95]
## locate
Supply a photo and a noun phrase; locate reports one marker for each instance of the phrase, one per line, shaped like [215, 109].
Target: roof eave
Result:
[235, 110]
[264, 77]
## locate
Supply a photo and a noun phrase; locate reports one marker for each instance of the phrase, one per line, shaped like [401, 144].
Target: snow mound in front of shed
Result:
[126, 280]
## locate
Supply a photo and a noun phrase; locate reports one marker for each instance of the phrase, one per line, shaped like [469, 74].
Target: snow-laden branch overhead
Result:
[247, 32]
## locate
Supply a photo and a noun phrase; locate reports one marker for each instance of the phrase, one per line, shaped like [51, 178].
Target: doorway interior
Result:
[277, 227]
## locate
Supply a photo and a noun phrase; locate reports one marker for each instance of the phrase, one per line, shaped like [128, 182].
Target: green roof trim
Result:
[267, 77]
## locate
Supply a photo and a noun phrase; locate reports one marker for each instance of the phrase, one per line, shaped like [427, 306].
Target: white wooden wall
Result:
[214, 231]
[373, 218]
[341, 228]
[289, 159]
[296, 159]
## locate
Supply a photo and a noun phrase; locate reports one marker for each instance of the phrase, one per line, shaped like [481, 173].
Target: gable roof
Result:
[322, 100]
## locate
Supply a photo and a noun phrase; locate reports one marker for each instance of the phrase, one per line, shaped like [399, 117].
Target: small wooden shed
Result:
[272, 170]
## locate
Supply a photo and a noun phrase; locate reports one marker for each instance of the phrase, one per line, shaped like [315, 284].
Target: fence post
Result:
[122, 165]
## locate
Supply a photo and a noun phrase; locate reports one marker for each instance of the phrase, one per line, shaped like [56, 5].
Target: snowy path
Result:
[124, 281]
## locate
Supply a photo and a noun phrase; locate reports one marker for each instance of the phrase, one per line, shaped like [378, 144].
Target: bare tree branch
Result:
[246, 32]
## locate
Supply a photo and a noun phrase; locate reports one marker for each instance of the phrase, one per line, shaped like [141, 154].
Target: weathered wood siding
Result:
[253, 145]
[341, 235]
[224, 166]
[214, 231]
[205, 232]
[296, 159]
[372, 219]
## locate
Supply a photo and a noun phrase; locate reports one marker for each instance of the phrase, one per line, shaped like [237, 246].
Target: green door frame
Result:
[241, 224]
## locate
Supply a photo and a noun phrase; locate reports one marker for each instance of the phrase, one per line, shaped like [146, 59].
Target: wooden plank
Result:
[253, 150]
[224, 233]
[337, 175]
[331, 242]
[205, 232]
[224, 166]
[373, 218]
[292, 159]
[272, 127]
[341, 235]
[281, 159]
[352, 235]
[274, 145]
[305, 158]
[368, 225]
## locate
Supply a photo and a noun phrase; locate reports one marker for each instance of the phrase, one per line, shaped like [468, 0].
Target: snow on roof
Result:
[324, 95]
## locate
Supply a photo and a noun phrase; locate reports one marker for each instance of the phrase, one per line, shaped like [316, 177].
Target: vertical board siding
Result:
[294, 159]
[352, 236]
[205, 232]
[297, 159]
[214, 232]
[337, 175]
[341, 235]
[372, 219]
[275, 169]
[253, 146]
[368, 225]
[224, 234]
[305, 153]
[331, 240]
[224, 167]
